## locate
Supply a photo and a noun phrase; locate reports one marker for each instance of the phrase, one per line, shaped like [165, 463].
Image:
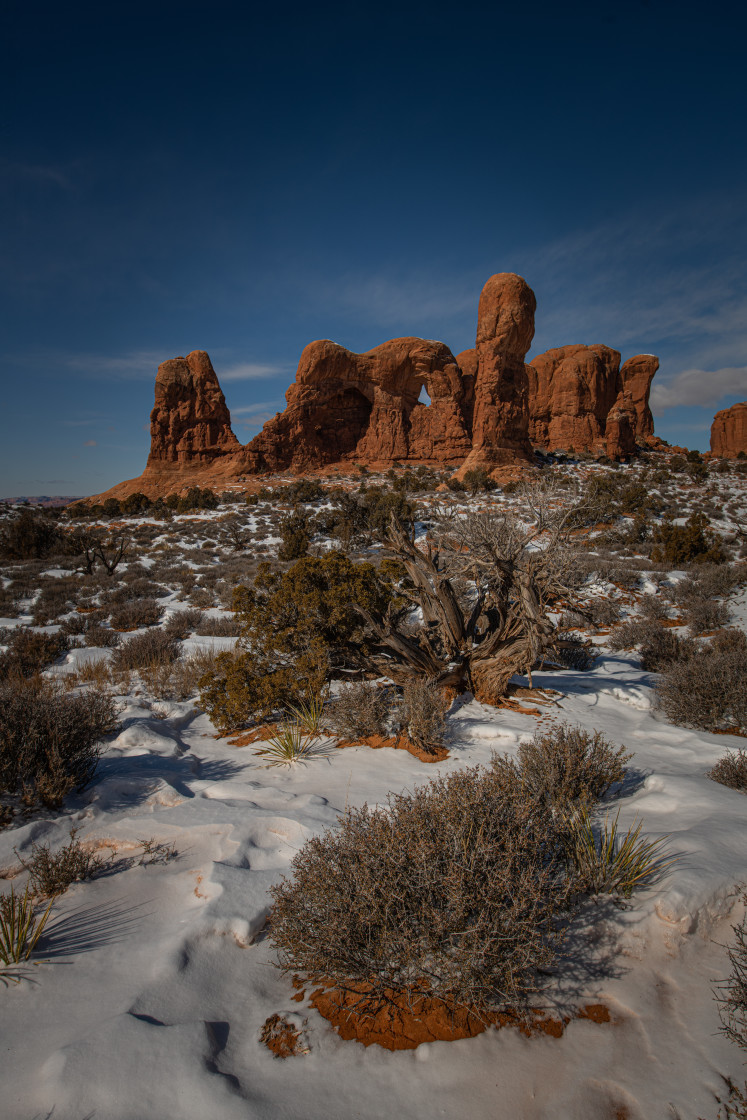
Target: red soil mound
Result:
[405, 1020]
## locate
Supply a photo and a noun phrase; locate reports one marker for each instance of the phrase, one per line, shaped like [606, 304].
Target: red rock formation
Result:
[364, 408]
[729, 431]
[505, 329]
[580, 398]
[191, 441]
[190, 422]
[619, 432]
[636, 376]
[571, 392]
[487, 408]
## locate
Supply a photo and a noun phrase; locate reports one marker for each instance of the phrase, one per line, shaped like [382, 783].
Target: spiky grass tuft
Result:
[610, 863]
[308, 714]
[20, 929]
[290, 744]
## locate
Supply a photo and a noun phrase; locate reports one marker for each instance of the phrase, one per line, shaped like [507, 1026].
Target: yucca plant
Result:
[609, 863]
[20, 929]
[308, 713]
[289, 744]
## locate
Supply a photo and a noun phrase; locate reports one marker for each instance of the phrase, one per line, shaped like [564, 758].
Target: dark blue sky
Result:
[244, 179]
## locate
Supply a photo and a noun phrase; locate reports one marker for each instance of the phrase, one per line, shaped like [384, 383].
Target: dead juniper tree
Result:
[478, 593]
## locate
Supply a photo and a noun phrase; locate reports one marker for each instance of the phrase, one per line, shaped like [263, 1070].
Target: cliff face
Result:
[190, 421]
[505, 329]
[580, 398]
[486, 407]
[729, 431]
[365, 408]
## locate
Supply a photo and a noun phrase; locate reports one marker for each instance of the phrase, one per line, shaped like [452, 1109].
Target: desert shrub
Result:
[55, 598]
[637, 632]
[182, 623]
[48, 739]
[716, 580]
[564, 767]
[360, 709]
[75, 625]
[733, 1001]
[154, 647]
[101, 636]
[623, 577]
[180, 679]
[30, 651]
[731, 770]
[662, 648]
[30, 536]
[684, 544]
[135, 504]
[195, 498]
[705, 614]
[312, 609]
[455, 888]
[295, 537]
[478, 479]
[133, 615]
[201, 597]
[652, 608]
[51, 873]
[225, 627]
[306, 490]
[357, 516]
[658, 646]
[709, 689]
[422, 712]
[137, 586]
[603, 612]
[237, 689]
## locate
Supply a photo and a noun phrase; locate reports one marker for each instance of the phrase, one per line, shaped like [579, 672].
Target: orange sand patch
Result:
[405, 1020]
[257, 735]
[397, 743]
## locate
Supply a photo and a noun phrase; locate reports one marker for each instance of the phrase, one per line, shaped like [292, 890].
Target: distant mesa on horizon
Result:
[46, 500]
[488, 408]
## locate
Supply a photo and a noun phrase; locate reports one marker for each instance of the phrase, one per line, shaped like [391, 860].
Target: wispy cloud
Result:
[144, 363]
[250, 371]
[256, 421]
[699, 387]
[136, 364]
[90, 443]
[676, 283]
[260, 406]
[35, 173]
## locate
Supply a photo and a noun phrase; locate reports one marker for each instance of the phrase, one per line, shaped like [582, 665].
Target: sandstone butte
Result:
[729, 432]
[487, 408]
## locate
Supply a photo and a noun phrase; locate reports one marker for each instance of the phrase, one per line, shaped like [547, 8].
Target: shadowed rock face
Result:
[486, 408]
[580, 398]
[636, 376]
[190, 422]
[365, 408]
[729, 431]
[571, 392]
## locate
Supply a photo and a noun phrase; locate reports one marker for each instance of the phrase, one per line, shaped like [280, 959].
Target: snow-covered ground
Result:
[156, 980]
